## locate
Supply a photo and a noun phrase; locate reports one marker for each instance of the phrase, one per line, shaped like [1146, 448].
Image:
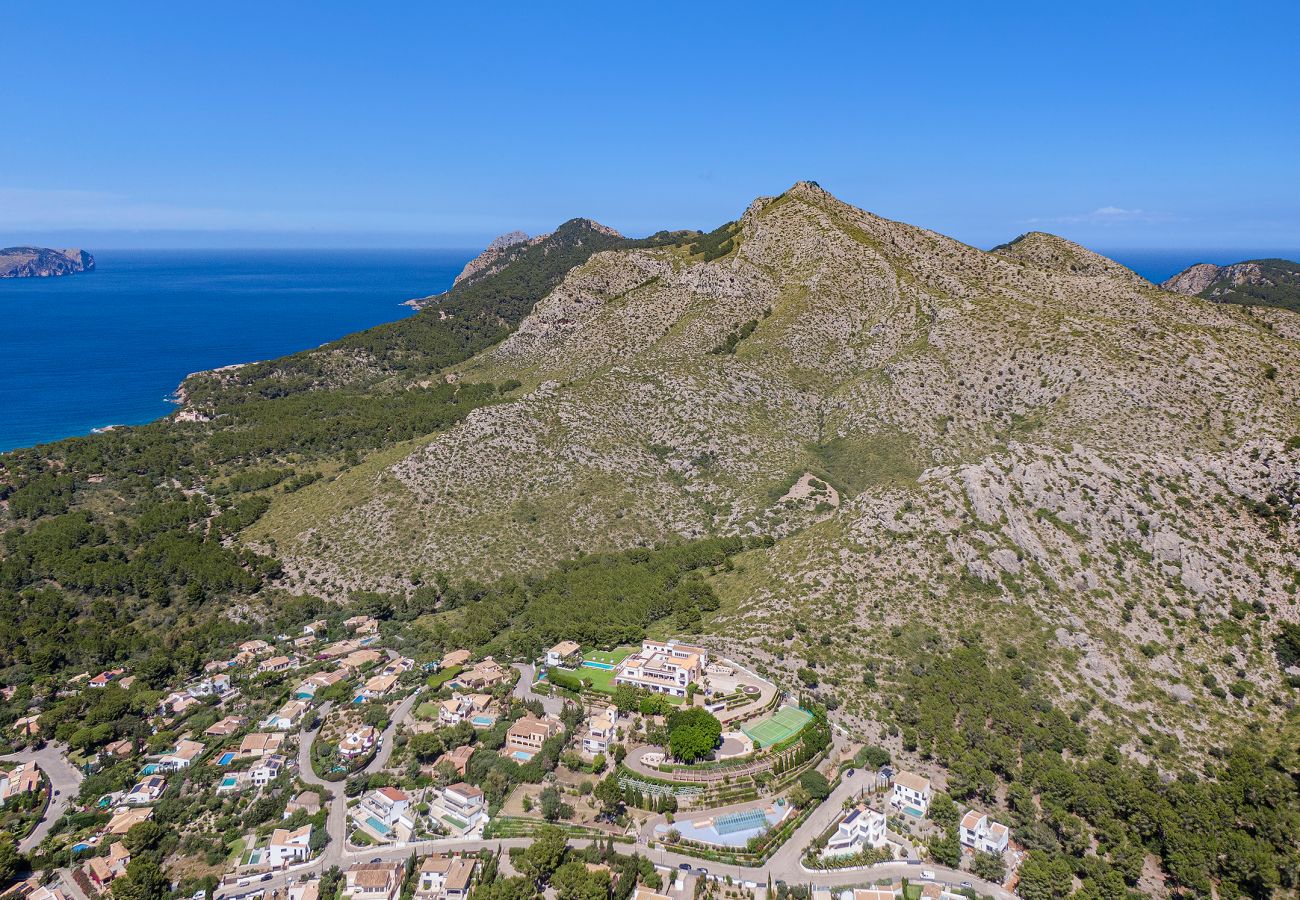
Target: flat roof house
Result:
[459, 808]
[860, 829]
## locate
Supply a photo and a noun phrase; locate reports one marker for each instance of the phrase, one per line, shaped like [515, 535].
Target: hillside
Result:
[41, 262]
[1008, 514]
[1255, 282]
[1034, 441]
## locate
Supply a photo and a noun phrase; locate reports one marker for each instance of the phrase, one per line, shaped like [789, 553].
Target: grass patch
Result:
[853, 464]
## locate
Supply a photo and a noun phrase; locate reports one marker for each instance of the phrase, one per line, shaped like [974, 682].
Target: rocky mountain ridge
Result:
[1034, 441]
[1255, 282]
[42, 262]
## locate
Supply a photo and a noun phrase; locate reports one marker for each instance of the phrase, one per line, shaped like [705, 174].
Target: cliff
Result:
[42, 262]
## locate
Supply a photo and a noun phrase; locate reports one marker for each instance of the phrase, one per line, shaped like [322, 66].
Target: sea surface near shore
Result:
[109, 347]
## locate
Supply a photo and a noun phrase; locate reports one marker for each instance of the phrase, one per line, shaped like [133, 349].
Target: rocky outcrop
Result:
[486, 261]
[42, 262]
[1254, 282]
[1192, 280]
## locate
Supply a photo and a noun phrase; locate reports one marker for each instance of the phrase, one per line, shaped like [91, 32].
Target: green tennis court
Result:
[784, 723]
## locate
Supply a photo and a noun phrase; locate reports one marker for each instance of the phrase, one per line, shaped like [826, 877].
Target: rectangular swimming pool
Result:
[378, 826]
[522, 755]
[226, 758]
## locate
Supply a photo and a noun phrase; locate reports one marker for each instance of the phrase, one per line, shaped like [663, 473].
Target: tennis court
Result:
[784, 723]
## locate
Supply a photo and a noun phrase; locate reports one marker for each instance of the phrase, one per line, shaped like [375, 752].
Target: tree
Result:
[572, 881]
[144, 880]
[815, 784]
[1043, 877]
[11, 861]
[553, 807]
[693, 733]
[943, 811]
[543, 856]
[143, 837]
[609, 795]
[989, 866]
[946, 850]
[625, 698]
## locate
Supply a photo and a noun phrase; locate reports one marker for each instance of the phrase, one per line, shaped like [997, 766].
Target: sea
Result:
[109, 347]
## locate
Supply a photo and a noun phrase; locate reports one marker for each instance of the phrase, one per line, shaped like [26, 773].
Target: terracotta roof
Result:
[915, 782]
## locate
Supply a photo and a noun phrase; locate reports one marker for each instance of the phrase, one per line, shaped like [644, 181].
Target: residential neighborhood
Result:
[318, 759]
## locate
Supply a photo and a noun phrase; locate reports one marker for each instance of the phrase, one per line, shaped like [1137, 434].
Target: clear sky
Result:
[1134, 124]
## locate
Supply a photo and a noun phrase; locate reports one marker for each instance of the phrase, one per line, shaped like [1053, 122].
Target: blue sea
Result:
[109, 347]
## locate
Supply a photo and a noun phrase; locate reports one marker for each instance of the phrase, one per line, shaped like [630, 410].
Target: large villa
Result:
[666, 668]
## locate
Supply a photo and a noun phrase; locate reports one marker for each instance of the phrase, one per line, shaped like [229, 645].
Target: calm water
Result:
[109, 346]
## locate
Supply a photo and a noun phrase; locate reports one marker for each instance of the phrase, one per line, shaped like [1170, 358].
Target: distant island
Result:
[42, 262]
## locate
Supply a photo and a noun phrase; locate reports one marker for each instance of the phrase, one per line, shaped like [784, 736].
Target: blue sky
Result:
[1151, 125]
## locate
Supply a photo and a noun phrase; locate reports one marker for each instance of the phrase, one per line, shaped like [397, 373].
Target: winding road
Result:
[65, 783]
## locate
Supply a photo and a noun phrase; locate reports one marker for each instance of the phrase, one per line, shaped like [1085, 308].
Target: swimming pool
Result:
[913, 811]
[588, 664]
[149, 769]
[226, 758]
[483, 721]
[77, 848]
[230, 781]
[378, 826]
[522, 755]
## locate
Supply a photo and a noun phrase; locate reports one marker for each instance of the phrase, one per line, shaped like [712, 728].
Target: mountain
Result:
[41, 262]
[1034, 441]
[1255, 282]
[1020, 517]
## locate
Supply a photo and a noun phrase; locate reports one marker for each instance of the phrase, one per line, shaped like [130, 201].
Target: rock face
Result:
[486, 261]
[41, 262]
[1033, 441]
[1255, 282]
[1192, 280]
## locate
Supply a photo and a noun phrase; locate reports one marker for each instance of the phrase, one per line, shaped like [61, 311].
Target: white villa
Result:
[385, 815]
[911, 791]
[600, 732]
[981, 834]
[289, 846]
[860, 829]
[459, 808]
[666, 668]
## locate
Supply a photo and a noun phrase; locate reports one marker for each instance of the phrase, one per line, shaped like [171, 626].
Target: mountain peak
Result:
[1057, 254]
